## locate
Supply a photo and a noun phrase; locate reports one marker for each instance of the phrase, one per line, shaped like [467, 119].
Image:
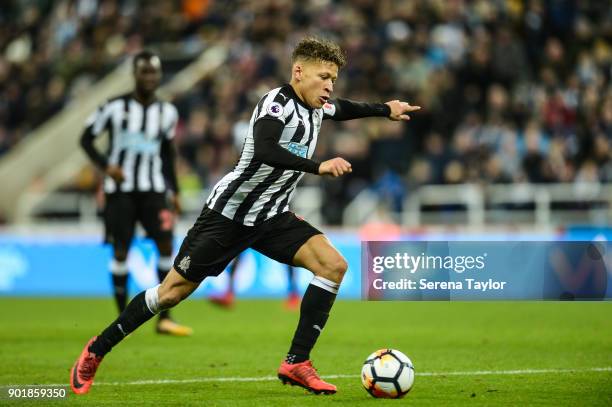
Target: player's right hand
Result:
[115, 173]
[335, 167]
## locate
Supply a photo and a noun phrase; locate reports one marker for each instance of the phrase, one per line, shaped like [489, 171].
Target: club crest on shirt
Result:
[185, 263]
[329, 109]
[275, 109]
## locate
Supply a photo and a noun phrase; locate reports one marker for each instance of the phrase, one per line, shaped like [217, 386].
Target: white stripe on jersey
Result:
[158, 179]
[253, 191]
[135, 145]
[144, 173]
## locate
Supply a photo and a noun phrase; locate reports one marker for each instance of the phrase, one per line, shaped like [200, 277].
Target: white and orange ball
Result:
[387, 373]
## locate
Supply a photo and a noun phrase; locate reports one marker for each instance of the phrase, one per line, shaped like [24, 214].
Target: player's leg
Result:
[158, 221]
[164, 264]
[210, 245]
[291, 240]
[165, 324]
[120, 221]
[143, 307]
[328, 266]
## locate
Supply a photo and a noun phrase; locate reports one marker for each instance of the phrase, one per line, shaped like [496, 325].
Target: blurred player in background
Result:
[249, 207]
[140, 181]
[227, 299]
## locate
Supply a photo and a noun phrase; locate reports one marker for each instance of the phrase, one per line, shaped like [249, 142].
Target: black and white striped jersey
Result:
[136, 136]
[254, 192]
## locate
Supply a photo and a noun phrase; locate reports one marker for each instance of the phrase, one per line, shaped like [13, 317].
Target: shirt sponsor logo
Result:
[138, 142]
[298, 149]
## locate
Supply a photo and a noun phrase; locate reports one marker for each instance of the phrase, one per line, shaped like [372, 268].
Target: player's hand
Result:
[175, 201]
[399, 110]
[115, 173]
[335, 167]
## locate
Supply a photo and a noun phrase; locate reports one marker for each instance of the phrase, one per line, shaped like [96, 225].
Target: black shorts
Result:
[124, 209]
[215, 240]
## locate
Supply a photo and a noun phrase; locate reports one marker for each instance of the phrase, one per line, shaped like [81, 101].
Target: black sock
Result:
[162, 273]
[120, 290]
[314, 311]
[136, 313]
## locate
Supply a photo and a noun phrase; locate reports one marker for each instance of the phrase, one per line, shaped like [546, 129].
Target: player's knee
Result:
[335, 268]
[120, 254]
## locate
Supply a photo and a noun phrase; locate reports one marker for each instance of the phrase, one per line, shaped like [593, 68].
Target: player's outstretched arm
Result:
[344, 109]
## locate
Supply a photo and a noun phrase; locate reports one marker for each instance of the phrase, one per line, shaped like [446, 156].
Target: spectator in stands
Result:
[477, 66]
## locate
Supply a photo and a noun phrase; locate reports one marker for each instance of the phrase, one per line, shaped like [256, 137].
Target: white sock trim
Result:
[118, 268]
[164, 263]
[325, 284]
[152, 299]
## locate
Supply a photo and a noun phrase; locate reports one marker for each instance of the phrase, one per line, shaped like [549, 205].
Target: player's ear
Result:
[298, 71]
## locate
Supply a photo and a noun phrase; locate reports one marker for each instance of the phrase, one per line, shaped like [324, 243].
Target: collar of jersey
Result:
[132, 96]
[296, 97]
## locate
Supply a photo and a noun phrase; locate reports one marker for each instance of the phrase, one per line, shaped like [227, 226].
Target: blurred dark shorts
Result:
[215, 240]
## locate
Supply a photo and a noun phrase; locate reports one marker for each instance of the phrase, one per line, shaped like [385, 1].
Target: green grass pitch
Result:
[545, 353]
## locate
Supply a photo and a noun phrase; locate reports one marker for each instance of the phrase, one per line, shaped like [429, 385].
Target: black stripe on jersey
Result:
[151, 163]
[299, 131]
[254, 195]
[311, 135]
[120, 162]
[136, 169]
[143, 127]
[261, 216]
[288, 120]
[126, 113]
[121, 158]
[233, 186]
[111, 136]
[160, 115]
[281, 98]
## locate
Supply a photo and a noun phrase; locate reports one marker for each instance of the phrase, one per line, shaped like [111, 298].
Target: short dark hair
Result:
[316, 49]
[145, 55]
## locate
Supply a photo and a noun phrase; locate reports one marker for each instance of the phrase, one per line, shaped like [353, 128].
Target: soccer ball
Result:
[387, 373]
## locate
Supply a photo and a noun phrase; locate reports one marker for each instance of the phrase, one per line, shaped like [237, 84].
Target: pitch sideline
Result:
[336, 376]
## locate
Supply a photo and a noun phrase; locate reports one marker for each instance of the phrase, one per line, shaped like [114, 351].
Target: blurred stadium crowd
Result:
[512, 90]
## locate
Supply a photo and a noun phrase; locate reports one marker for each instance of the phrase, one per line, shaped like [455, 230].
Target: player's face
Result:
[147, 75]
[316, 82]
